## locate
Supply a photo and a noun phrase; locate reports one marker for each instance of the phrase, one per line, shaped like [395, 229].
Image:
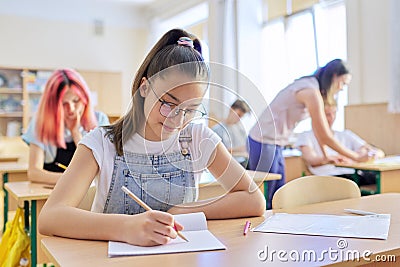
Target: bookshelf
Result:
[22, 88]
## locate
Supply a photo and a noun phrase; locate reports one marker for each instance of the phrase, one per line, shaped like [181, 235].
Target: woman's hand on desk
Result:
[373, 152]
[151, 228]
[340, 159]
[364, 156]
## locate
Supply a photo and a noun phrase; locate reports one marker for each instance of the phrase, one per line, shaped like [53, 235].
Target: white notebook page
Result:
[195, 230]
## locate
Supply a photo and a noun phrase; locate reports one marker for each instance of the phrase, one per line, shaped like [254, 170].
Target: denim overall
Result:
[161, 181]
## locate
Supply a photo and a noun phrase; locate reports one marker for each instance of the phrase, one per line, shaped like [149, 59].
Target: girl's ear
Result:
[334, 77]
[143, 88]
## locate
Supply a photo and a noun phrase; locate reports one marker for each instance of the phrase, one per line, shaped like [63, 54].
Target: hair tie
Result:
[185, 41]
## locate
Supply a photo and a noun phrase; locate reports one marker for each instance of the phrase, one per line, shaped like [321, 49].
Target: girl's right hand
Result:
[73, 124]
[151, 228]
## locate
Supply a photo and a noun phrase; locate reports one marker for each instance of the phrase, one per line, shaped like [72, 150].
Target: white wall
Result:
[368, 52]
[54, 34]
[249, 20]
[249, 27]
[51, 34]
[235, 41]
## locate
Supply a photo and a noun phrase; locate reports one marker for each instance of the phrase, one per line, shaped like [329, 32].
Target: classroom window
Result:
[298, 44]
[332, 43]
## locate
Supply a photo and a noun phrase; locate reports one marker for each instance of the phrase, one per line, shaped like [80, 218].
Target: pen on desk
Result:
[246, 227]
[62, 166]
[146, 207]
[360, 212]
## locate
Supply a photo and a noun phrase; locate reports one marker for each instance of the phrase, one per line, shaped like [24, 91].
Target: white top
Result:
[232, 135]
[203, 143]
[277, 121]
[347, 138]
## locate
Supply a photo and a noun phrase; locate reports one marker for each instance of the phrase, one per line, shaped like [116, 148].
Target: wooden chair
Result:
[313, 189]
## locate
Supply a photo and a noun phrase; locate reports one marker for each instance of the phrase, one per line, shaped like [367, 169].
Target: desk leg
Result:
[26, 216]
[378, 182]
[5, 215]
[355, 178]
[32, 229]
[33, 233]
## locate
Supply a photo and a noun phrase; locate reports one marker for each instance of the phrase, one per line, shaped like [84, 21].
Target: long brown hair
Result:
[325, 76]
[164, 54]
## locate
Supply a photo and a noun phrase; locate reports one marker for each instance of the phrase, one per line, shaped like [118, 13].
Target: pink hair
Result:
[50, 114]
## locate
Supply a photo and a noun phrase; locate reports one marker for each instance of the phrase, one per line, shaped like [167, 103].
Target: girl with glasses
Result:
[157, 153]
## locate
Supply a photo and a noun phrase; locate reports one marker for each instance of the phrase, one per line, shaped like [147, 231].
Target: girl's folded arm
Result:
[243, 197]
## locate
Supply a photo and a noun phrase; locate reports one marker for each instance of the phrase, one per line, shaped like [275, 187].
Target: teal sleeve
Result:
[30, 137]
[102, 119]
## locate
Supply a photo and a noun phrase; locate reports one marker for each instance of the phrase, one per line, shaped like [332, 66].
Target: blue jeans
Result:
[267, 158]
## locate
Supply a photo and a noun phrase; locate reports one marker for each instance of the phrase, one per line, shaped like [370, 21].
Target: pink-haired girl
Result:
[65, 113]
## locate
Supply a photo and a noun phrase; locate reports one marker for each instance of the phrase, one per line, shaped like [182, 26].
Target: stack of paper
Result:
[195, 230]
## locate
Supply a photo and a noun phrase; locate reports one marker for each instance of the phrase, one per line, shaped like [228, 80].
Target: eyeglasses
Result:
[171, 110]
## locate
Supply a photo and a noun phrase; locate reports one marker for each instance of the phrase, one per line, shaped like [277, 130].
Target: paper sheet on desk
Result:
[394, 160]
[370, 226]
[200, 239]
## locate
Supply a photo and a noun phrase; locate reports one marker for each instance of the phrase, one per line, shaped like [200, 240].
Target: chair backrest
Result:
[313, 189]
[86, 203]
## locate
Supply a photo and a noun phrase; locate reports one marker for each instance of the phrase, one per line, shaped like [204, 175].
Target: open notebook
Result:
[195, 230]
[369, 226]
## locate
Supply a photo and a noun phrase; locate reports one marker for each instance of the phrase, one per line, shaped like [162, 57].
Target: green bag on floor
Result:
[15, 244]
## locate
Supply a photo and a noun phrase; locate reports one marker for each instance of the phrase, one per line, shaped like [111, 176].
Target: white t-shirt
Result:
[347, 138]
[277, 121]
[232, 135]
[203, 143]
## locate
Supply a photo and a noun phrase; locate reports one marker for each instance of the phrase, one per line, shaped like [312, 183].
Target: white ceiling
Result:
[133, 13]
[139, 3]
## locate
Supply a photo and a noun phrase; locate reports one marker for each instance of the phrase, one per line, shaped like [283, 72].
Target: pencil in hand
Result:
[62, 166]
[147, 208]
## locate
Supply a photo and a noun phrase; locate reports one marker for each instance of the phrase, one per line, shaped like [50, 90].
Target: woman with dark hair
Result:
[301, 99]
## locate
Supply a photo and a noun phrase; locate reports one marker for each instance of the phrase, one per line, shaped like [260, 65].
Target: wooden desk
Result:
[8, 159]
[13, 167]
[11, 172]
[294, 164]
[209, 187]
[33, 196]
[243, 250]
[387, 175]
